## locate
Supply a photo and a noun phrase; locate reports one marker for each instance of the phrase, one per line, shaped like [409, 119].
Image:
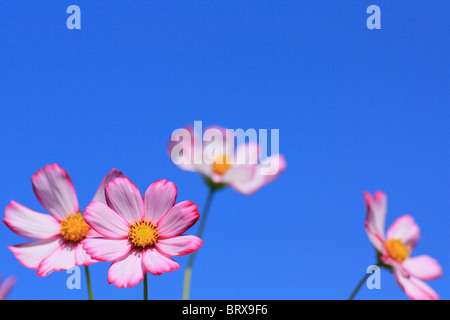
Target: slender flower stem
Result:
[188, 272]
[379, 265]
[359, 286]
[88, 280]
[145, 287]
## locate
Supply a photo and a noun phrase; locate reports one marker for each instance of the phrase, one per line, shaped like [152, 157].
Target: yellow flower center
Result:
[221, 164]
[143, 233]
[73, 227]
[397, 250]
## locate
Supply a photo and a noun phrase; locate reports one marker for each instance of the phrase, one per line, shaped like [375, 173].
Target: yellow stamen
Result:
[221, 164]
[143, 233]
[397, 250]
[73, 227]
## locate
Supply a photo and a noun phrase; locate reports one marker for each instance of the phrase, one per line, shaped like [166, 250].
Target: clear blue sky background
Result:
[357, 110]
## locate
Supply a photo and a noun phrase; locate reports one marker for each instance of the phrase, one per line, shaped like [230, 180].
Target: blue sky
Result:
[357, 110]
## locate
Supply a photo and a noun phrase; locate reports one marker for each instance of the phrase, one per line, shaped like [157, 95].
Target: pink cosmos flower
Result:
[140, 234]
[216, 158]
[395, 247]
[58, 235]
[6, 286]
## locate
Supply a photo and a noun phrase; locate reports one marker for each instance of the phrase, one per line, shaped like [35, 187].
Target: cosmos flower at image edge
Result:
[58, 245]
[395, 247]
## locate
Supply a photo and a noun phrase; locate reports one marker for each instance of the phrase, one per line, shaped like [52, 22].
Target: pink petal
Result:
[128, 271]
[375, 239]
[100, 194]
[415, 289]
[376, 213]
[397, 266]
[82, 258]
[6, 287]
[247, 153]
[54, 189]
[105, 249]
[252, 186]
[106, 221]
[29, 223]
[266, 172]
[62, 258]
[124, 198]
[423, 267]
[178, 219]
[405, 229]
[180, 245]
[239, 174]
[218, 140]
[32, 253]
[93, 234]
[183, 147]
[204, 168]
[215, 177]
[272, 167]
[158, 199]
[157, 263]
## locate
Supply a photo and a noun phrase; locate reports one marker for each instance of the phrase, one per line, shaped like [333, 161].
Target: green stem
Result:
[145, 287]
[359, 286]
[88, 280]
[188, 272]
[364, 279]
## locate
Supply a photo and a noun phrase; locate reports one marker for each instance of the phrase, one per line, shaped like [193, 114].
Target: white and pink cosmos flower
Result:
[58, 234]
[216, 157]
[395, 247]
[140, 234]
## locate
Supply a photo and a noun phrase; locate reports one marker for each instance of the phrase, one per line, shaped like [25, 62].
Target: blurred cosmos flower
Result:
[221, 163]
[140, 234]
[395, 247]
[5, 287]
[58, 245]
[216, 158]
